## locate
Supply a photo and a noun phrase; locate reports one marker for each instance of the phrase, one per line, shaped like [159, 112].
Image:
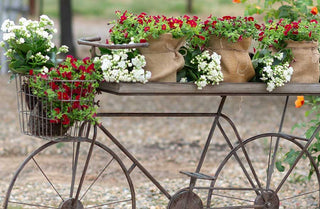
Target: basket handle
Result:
[92, 42]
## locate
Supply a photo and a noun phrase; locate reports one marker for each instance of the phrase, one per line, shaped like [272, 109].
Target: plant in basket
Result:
[165, 35]
[231, 38]
[29, 45]
[301, 38]
[65, 95]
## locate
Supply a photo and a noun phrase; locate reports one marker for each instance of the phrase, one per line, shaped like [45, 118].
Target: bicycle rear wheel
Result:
[260, 185]
[48, 178]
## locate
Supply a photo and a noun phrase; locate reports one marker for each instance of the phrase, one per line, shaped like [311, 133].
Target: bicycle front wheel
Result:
[49, 178]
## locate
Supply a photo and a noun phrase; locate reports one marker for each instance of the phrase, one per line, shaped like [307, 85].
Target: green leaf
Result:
[291, 156]
[279, 166]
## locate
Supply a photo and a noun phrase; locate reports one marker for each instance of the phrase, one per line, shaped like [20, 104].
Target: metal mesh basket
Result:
[34, 112]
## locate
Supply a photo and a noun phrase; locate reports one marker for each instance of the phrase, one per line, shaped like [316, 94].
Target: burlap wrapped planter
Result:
[306, 61]
[236, 64]
[163, 59]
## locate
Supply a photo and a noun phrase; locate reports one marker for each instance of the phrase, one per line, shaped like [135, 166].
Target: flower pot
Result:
[306, 61]
[236, 64]
[163, 59]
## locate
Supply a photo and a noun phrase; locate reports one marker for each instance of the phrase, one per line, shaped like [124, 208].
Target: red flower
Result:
[299, 102]
[67, 75]
[126, 35]
[53, 86]
[192, 23]
[65, 119]
[54, 120]
[140, 21]
[310, 33]
[240, 38]
[202, 37]
[57, 110]
[314, 21]
[76, 105]
[147, 28]
[143, 41]
[314, 10]
[82, 77]
[236, 1]
[31, 72]
[164, 27]
[257, 26]
[86, 60]
[250, 19]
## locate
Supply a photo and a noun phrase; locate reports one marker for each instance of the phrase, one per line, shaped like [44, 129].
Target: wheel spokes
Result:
[47, 178]
[95, 180]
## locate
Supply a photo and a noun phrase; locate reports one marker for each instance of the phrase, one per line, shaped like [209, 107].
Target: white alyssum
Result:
[119, 67]
[209, 69]
[275, 75]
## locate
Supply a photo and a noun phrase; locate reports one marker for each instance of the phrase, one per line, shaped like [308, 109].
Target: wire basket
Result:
[35, 112]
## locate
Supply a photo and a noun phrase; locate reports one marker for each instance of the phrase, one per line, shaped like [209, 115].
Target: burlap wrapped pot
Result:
[236, 64]
[306, 61]
[163, 57]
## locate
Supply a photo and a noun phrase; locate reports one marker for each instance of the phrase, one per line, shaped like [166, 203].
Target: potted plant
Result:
[64, 95]
[301, 37]
[29, 45]
[165, 36]
[231, 38]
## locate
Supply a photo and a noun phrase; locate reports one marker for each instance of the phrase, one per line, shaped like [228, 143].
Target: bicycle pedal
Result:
[198, 175]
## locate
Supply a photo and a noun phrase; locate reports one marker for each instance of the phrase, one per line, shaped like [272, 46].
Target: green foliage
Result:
[276, 9]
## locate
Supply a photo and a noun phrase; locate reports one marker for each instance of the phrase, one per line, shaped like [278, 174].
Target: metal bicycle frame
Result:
[216, 123]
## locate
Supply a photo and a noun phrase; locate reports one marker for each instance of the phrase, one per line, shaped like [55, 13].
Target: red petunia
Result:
[65, 119]
[146, 29]
[31, 72]
[53, 86]
[202, 37]
[143, 41]
[57, 110]
[164, 27]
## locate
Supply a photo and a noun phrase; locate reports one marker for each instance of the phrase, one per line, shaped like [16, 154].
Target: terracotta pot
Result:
[163, 59]
[236, 64]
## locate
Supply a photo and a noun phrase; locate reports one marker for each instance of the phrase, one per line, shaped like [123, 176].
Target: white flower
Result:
[183, 80]
[63, 49]
[8, 36]
[20, 41]
[6, 25]
[270, 86]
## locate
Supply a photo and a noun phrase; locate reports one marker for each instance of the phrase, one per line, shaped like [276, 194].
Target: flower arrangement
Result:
[275, 33]
[202, 68]
[124, 65]
[29, 44]
[273, 69]
[67, 91]
[232, 28]
[138, 28]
